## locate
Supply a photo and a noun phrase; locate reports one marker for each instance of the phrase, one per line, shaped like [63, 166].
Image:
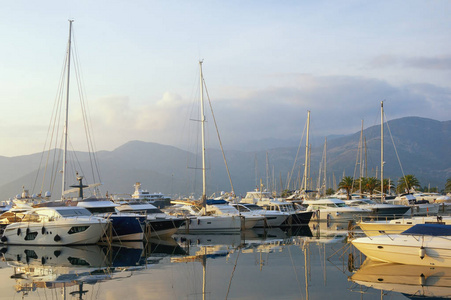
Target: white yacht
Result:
[333, 209]
[396, 226]
[66, 225]
[222, 208]
[296, 214]
[418, 208]
[422, 244]
[380, 210]
[273, 218]
[197, 220]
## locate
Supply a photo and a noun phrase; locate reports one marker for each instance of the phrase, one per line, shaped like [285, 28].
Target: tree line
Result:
[372, 185]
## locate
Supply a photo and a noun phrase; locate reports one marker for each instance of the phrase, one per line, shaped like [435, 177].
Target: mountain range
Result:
[412, 145]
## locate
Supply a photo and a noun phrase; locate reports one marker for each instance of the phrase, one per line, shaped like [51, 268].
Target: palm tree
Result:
[347, 183]
[448, 185]
[406, 183]
[371, 184]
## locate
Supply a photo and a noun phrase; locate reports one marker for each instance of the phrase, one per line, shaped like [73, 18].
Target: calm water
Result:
[313, 263]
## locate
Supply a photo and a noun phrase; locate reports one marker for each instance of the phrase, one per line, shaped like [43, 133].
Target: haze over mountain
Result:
[422, 145]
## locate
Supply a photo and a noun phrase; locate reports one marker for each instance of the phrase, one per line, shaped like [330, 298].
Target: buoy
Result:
[57, 238]
[422, 252]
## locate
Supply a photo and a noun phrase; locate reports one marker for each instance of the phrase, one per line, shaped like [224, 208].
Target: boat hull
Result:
[60, 232]
[212, 224]
[162, 228]
[407, 249]
[298, 218]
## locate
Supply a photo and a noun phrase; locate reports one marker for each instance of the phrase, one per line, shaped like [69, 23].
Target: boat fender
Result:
[43, 260]
[4, 239]
[328, 217]
[28, 231]
[57, 238]
[422, 279]
[198, 221]
[43, 230]
[422, 252]
[18, 231]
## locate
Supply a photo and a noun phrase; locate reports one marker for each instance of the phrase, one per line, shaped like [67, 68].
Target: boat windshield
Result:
[76, 212]
[253, 207]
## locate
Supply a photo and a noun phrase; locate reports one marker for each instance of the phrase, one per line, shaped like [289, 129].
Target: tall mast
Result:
[204, 175]
[67, 110]
[382, 152]
[306, 151]
[361, 165]
[325, 166]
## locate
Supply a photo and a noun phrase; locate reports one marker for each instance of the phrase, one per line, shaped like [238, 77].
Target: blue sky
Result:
[265, 64]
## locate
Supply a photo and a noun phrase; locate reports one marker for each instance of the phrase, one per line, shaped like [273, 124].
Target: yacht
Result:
[422, 244]
[396, 226]
[197, 220]
[126, 227]
[419, 208]
[158, 224]
[157, 199]
[222, 208]
[272, 218]
[55, 226]
[333, 209]
[380, 210]
[296, 214]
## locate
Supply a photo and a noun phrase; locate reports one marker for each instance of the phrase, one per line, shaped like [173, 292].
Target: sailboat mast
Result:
[67, 110]
[204, 176]
[382, 152]
[306, 151]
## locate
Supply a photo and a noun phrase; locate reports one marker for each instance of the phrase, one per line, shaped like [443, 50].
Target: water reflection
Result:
[306, 262]
[412, 281]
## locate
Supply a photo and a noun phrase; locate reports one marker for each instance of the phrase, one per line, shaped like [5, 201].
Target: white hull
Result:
[271, 221]
[338, 214]
[210, 223]
[405, 249]
[425, 209]
[55, 233]
[398, 225]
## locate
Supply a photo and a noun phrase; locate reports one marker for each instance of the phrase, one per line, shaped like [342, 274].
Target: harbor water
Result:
[306, 262]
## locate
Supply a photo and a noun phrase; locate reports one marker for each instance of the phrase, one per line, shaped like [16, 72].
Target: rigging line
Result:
[396, 151]
[54, 119]
[296, 157]
[295, 273]
[231, 276]
[219, 138]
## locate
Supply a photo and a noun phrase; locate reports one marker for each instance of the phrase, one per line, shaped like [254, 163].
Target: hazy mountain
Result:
[422, 145]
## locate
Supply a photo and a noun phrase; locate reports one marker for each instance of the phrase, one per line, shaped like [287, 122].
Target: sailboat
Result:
[198, 220]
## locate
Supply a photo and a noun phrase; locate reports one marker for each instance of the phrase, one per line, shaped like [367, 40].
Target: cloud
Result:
[245, 115]
[441, 63]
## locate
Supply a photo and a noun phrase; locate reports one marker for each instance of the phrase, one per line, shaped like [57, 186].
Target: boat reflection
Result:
[63, 267]
[412, 281]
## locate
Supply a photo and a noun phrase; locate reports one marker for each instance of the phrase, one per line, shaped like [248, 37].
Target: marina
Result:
[310, 263]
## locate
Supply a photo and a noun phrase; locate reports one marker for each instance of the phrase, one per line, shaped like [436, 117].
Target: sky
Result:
[265, 64]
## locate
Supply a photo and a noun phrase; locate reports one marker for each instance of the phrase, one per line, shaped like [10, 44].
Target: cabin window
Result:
[77, 229]
[31, 236]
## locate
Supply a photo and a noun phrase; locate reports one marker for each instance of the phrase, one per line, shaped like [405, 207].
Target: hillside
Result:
[423, 147]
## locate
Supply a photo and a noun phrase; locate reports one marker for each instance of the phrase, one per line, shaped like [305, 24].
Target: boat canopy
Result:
[429, 229]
